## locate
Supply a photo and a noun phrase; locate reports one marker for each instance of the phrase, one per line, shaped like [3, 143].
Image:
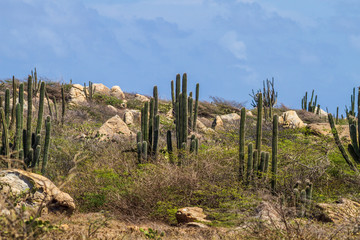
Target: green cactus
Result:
[144, 150]
[259, 123]
[242, 144]
[63, 104]
[89, 91]
[274, 152]
[169, 146]
[27, 146]
[7, 107]
[18, 133]
[196, 106]
[21, 102]
[156, 136]
[48, 102]
[47, 144]
[308, 190]
[249, 163]
[41, 108]
[341, 147]
[5, 137]
[13, 110]
[262, 163]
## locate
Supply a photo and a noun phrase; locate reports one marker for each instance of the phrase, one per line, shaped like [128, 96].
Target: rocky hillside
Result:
[89, 162]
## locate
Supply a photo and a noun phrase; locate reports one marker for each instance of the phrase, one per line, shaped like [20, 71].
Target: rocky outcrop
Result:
[190, 214]
[343, 211]
[291, 119]
[230, 118]
[322, 113]
[141, 98]
[114, 129]
[116, 91]
[77, 95]
[217, 123]
[325, 130]
[112, 109]
[101, 88]
[42, 192]
[129, 118]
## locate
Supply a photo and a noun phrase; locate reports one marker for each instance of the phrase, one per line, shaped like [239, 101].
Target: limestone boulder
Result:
[42, 192]
[77, 95]
[114, 129]
[325, 130]
[129, 117]
[291, 119]
[101, 88]
[141, 98]
[230, 118]
[116, 91]
[322, 113]
[190, 214]
[340, 212]
[112, 109]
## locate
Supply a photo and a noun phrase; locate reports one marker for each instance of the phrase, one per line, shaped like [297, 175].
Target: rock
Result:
[112, 109]
[123, 104]
[129, 118]
[217, 123]
[343, 211]
[114, 128]
[325, 130]
[190, 214]
[268, 215]
[141, 98]
[231, 118]
[249, 113]
[45, 192]
[77, 95]
[291, 119]
[116, 91]
[169, 114]
[196, 225]
[322, 113]
[101, 88]
[202, 128]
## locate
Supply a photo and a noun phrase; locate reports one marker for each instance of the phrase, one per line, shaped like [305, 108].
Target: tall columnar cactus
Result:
[13, 110]
[270, 97]
[259, 123]
[63, 104]
[18, 133]
[89, 91]
[47, 144]
[5, 137]
[242, 144]
[169, 146]
[337, 115]
[21, 102]
[311, 105]
[41, 108]
[27, 146]
[249, 168]
[274, 152]
[340, 146]
[7, 107]
[196, 105]
[48, 102]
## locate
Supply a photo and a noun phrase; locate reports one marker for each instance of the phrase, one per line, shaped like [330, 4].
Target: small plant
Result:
[152, 234]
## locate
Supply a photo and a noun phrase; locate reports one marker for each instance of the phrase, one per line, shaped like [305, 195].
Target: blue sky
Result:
[228, 46]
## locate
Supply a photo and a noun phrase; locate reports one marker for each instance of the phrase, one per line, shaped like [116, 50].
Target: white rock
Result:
[112, 109]
[141, 98]
[232, 117]
[101, 88]
[129, 117]
[116, 91]
[77, 95]
[291, 119]
[114, 128]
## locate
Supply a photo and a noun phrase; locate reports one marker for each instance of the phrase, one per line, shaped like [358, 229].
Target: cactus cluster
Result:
[269, 98]
[302, 198]
[258, 161]
[311, 105]
[185, 114]
[148, 138]
[26, 143]
[89, 91]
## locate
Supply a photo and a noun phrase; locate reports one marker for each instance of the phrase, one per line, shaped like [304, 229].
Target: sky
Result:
[228, 46]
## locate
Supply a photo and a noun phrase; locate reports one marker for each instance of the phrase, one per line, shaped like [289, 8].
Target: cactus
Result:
[27, 146]
[156, 136]
[196, 106]
[308, 190]
[337, 115]
[259, 123]
[5, 137]
[269, 98]
[249, 163]
[13, 111]
[18, 133]
[255, 162]
[63, 104]
[266, 167]
[21, 102]
[55, 108]
[41, 108]
[274, 152]
[89, 92]
[341, 147]
[262, 163]
[144, 150]
[47, 144]
[169, 146]
[48, 102]
[242, 144]
[7, 107]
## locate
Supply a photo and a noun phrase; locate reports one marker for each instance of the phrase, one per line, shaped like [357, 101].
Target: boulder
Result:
[325, 130]
[217, 123]
[114, 128]
[343, 211]
[249, 113]
[230, 118]
[322, 113]
[101, 88]
[42, 192]
[112, 109]
[190, 214]
[141, 98]
[202, 128]
[129, 117]
[116, 91]
[77, 95]
[291, 119]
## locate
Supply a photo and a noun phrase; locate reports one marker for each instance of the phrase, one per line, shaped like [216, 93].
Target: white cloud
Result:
[235, 46]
